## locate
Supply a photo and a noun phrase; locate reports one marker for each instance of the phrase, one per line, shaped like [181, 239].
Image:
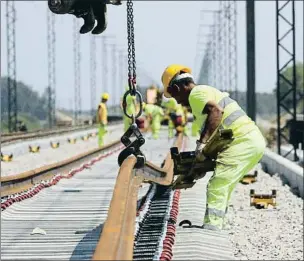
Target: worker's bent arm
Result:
[214, 118]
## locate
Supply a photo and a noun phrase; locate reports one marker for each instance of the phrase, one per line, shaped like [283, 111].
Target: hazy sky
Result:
[165, 31]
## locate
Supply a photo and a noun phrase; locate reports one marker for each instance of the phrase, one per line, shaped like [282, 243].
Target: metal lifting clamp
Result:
[133, 130]
[189, 168]
[132, 147]
[263, 200]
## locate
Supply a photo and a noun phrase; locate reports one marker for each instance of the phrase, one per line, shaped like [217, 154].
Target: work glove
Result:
[88, 10]
[199, 150]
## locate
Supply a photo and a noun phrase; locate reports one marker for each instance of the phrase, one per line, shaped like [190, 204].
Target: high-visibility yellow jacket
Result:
[154, 111]
[233, 118]
[102, 114]
[131, 104]
[173, 106]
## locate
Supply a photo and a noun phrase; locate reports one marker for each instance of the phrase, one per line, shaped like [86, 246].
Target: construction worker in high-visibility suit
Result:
[214, 109]
[102, 118]
[131, 109]
[170, 105]
[174, 108]
[154, 115]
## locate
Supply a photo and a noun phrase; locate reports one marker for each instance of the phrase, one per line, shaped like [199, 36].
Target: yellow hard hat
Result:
[169, 73]
[105, 96]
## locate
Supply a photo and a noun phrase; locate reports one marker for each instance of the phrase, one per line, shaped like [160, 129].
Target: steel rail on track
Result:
[9, 137]
[23, 181]
[117, 239]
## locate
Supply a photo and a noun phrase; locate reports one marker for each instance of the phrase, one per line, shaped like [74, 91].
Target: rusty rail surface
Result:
[117, 238]
[15, 183]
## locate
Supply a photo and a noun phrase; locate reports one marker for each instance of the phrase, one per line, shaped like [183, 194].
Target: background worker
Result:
[154, 114]
[170, 105]
[215, 109]
[177, 116]
[102, 118]
[131, 109]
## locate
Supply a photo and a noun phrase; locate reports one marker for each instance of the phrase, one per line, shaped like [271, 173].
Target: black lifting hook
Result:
[132, 148]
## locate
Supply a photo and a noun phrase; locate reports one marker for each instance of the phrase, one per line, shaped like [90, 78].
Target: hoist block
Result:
[263, 200]
[189, 168]
[6, 158]
[249, 178]
[88, 10]
[34, 149]
[72, 141]
[54, 145]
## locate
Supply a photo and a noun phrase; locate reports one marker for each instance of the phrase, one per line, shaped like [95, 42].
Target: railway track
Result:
[95, 214]
[68, 205]
[8, 138]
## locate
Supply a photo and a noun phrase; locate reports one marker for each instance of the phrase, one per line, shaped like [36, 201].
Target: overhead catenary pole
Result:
[224, 46]
[11, 65]
[93, 74]
[77, 72]
[286, 98]
[104, 64]
[250, 25]
[51, 89]
[232, 47]
[121, 71]
[114, 76]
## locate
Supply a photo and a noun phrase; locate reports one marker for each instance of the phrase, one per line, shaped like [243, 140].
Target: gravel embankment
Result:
[28, 161]
[266, 234]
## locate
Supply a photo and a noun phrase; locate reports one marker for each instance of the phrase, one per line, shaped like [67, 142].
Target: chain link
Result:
[131, 64]
[131, 48]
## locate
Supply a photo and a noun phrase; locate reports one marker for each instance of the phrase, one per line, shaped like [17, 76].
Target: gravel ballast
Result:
[266, 234]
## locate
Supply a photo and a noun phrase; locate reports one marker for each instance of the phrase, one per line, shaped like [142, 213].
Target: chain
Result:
[131, 48]
[131, 63]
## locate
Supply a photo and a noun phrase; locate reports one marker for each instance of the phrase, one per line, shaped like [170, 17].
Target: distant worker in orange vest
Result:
[102, 118]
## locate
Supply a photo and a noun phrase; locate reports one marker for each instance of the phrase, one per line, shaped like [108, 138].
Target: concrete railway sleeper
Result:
[152, 236]
[156, 229]
[17, 197]
[72, 214]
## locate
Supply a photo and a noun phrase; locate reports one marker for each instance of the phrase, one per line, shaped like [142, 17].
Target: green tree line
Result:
[32, 107]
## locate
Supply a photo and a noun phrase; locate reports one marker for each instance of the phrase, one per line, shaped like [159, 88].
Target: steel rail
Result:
[117, 239]
[10, 137]
[22, 181]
